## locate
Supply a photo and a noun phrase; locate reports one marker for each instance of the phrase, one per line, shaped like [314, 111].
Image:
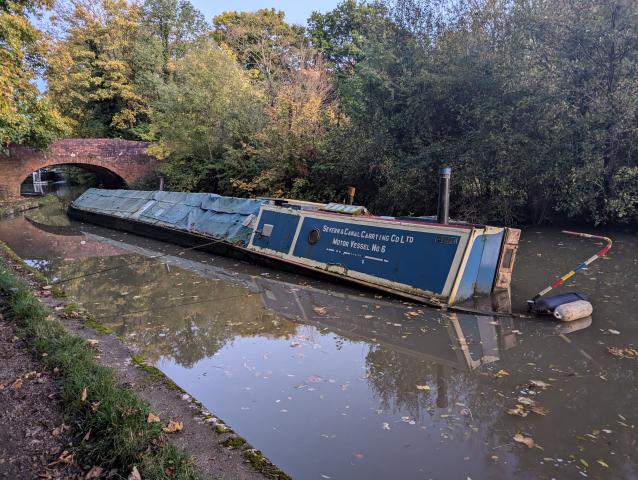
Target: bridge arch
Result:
[126, 159]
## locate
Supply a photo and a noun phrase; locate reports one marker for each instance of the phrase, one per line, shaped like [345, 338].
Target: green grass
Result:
[119, 436]
[233, 442]
[261, 464]
[155, 373]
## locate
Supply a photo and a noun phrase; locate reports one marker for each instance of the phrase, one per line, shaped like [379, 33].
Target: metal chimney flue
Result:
[443, 212]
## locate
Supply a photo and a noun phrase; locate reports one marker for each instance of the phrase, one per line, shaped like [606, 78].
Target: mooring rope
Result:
[584, 264]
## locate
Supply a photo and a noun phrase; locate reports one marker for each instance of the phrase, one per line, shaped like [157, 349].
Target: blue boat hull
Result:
[439, 264]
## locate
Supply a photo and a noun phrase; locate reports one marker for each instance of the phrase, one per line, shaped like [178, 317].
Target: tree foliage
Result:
[208, 109]
[25, 117]
[532, 102]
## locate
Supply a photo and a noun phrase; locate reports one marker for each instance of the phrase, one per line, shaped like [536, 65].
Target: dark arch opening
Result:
[66, 177]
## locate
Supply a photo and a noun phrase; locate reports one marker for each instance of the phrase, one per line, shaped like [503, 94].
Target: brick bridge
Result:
[124, 158]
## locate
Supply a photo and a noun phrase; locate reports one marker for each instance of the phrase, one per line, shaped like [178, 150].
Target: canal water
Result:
[336, 383]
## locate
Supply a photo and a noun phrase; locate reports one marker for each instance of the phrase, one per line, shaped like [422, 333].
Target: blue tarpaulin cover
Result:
[222, 218]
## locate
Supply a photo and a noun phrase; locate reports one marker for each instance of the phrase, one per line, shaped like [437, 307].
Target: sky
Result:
[297, 11]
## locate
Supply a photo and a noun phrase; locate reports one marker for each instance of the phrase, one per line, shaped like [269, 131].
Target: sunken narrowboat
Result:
[427, 259]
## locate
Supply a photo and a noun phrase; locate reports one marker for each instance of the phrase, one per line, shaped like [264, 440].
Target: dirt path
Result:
[33, 436]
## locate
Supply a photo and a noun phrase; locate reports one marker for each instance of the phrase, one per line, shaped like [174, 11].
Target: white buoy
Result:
[569, 312]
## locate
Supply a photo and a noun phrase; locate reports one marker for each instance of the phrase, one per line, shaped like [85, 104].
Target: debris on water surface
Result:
[620, 352]
[539, 410]
[539, 384]
[518, 410]
[528, 441]
[501, 373]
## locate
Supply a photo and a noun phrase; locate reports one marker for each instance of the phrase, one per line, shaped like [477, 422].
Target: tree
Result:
[208, 108]
[176, 25]
[92, 69]
[264, 43]
[25, 117]
[299, 120]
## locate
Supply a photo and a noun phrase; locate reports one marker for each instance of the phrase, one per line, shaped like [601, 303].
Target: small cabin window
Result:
[313, 236]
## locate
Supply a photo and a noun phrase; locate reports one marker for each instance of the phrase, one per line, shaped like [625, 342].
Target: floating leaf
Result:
[518, 410]
[626, 352]
[539, 384]
[173, 426]
[520, 438]
[539, 410]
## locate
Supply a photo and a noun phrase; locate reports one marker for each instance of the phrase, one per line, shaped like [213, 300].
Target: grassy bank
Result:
[109, 422]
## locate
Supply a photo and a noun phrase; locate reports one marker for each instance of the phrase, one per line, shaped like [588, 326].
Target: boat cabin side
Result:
[445, 263]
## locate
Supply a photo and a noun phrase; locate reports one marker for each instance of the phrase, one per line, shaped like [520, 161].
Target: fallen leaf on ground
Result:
[95, 472]
[65, 457]
[539, 384]
[173, 426]
[47, 287]
[526, 401]
[320, 310]
[425, 388]
[94, 406]
[520, 438]
[412, 314]
[152, 418]
[92, 343]
[501, 374]
[17, 385]
[58, 430]
[84, 394]
[601, 462]
[135, 474]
